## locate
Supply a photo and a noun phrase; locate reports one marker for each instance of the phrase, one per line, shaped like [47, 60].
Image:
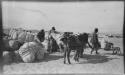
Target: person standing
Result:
[95, 41]
[40, 36]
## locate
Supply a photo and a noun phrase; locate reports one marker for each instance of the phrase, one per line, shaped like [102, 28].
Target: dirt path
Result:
[105, 62]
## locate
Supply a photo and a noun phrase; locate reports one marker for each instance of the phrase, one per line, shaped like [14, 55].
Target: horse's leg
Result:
[81, 52]
[68, 55]
[75, 55]
[78, 55]
[65, 56]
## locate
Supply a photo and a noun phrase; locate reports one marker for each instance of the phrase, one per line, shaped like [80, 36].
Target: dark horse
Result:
[71, 42]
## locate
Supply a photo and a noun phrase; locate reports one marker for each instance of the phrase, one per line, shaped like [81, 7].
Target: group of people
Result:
[75, 42]
[94, 39]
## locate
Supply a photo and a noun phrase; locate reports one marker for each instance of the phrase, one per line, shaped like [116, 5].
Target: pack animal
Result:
[71, 42]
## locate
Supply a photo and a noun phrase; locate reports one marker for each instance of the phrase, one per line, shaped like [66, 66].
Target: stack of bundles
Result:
[11, 32]
[26, 36]
[14, 33]
[31, 50]
[22, 35]
[11, 45]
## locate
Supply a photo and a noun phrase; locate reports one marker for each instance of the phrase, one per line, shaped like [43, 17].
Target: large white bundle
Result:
[27, 51]
[7, 58]
[31, 49]
[22, 37]
[28, 58]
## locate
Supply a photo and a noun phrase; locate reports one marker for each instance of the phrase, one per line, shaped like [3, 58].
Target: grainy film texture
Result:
[63, 37]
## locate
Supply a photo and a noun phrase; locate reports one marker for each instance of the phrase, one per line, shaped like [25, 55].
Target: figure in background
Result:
[95, 41]
[52, 40]
[53, 33]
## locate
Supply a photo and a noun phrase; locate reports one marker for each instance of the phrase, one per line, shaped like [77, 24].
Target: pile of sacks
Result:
[22, 35]
[28, 52]
[22, 46]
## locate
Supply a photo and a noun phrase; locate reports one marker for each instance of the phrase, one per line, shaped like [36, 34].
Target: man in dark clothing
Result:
[95, 41]
[41, 35]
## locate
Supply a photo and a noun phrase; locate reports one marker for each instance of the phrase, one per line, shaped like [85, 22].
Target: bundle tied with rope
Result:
[31, 51]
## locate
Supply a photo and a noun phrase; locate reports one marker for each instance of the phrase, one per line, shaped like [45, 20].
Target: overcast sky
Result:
[65, 16]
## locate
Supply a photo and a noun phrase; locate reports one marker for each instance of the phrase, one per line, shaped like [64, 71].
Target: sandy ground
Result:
[105, 62]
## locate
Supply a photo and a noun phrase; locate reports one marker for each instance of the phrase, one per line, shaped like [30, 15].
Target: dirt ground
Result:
[104, 62]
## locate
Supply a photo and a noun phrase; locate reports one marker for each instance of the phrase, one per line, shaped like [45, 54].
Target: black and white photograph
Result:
[62, 36]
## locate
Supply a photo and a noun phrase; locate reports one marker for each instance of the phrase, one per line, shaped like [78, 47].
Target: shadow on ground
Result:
[94, 59]
[51, 57]
[87, 58]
